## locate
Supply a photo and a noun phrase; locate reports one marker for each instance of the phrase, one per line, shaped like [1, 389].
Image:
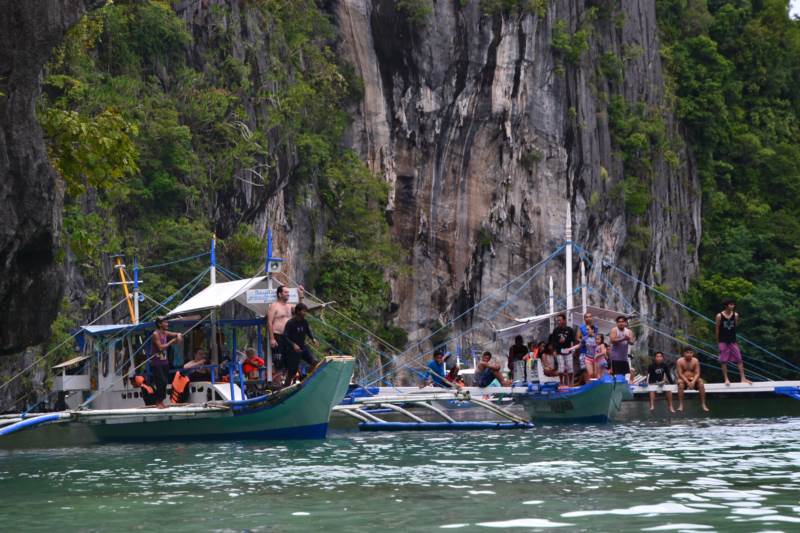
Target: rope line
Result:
[168, 263]
[689, 309]
[39, 359]
[416, 360]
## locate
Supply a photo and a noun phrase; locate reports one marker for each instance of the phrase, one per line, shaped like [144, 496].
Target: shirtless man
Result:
[278, 315]
[689, 377]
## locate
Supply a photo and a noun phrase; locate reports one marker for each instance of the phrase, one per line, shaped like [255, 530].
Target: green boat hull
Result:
[596, 402]
[299, 412]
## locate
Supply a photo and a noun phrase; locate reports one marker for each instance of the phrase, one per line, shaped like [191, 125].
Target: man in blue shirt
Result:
[436, 370]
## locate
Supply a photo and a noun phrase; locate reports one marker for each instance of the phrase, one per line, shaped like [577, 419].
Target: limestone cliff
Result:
[30, 192]
[485, 131]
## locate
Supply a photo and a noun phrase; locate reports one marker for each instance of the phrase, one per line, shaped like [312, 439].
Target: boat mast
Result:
[552, 305]
[583, 288]
[213, 281]
[569, 263]
[266, 311]
[124, 282]
[135, 291]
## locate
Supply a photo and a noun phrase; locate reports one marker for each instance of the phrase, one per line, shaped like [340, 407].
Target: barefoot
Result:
[652, 408]
[680, 408]
[727, 382]
[671, 410]
[705, 408]
[746, 381]
[160, 405]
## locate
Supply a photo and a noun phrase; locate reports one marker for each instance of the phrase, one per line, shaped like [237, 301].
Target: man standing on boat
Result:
[278, 315]
[295, 332]
[726, 321]
[621, 339]
[159, 362]
[563, 338]
[689, 378]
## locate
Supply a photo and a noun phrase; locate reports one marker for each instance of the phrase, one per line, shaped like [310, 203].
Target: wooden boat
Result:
[596, 402]
[301, 411]
[98, 399]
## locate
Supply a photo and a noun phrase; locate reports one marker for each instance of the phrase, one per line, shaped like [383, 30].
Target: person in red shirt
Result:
[252, 364]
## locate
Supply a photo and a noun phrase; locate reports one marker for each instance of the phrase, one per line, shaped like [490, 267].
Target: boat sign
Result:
[267, 296]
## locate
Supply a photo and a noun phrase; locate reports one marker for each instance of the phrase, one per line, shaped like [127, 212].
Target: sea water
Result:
[687, 475]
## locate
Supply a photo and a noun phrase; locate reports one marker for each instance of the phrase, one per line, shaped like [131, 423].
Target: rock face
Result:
[486, 133]
[30, 191]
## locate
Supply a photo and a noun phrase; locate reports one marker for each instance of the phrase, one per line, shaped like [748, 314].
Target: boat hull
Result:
[300, 412]
[596, 402]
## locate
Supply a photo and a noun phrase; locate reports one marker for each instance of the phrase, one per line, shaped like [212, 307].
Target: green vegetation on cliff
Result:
[735, 71]
[158, 127]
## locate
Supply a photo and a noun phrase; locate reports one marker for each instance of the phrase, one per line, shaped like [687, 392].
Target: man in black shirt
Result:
[563, 338]
[296, 331]
[658, 374]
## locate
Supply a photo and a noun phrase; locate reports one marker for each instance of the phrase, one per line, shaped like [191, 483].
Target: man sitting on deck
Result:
[689, 378]
[437, 373]
[487, 372]
[658, 374]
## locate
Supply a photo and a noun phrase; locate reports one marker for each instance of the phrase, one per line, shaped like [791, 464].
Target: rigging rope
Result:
[39, 359]
[168, 263]
[540, 266]
[492, 294]
[691, 310]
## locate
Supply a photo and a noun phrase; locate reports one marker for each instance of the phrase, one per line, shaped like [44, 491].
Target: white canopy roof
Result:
[525, 326]
[604, 319]
[219, 294]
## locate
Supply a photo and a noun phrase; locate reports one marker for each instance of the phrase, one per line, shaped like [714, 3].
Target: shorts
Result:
[586, 359]
[620, 368]
[729, 353]
[565, 364]
[686, 385]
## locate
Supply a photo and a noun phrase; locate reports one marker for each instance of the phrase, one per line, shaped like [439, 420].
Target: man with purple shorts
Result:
[726, 338]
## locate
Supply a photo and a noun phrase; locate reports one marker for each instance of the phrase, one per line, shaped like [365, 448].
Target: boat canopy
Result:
[219, 294]
[604, 319]
[71, 362]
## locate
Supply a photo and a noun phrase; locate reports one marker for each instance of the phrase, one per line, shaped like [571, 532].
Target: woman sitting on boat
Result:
[162, 339]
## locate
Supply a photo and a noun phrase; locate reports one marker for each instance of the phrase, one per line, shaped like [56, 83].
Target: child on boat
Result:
[658, 374]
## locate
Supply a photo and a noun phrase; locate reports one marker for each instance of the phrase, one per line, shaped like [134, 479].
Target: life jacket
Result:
[179, 383]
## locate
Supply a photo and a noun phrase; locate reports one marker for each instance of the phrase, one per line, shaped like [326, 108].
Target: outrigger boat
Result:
[99, 401]
[604, 399]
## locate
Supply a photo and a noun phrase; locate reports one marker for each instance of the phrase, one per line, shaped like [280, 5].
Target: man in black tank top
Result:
[726, 321]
